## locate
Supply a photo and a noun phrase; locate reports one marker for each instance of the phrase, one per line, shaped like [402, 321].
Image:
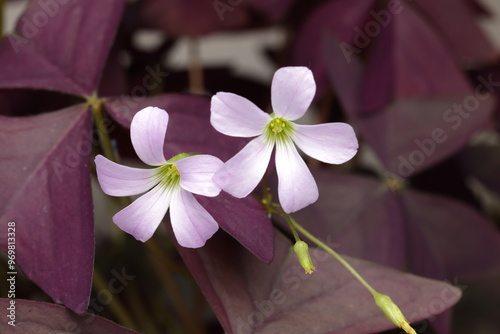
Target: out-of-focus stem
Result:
[196, 80]
[190, 323]
[115, 306]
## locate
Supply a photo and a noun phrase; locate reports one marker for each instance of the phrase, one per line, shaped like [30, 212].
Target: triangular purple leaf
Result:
[43, 318]
[456, 22]
[60, 46]
[440, 241]
[411, 122]
[194, 17]
[333, 18]
[279, 297]
[45, 182]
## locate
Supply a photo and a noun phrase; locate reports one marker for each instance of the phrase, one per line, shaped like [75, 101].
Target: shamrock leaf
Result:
[45, 181]
[43, 318]
[60, 46]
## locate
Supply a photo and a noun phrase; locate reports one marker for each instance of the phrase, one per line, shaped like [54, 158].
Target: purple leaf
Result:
[333, 18]
[456, 22]
[359, 215]
[43, 318]
[245, 220]
[190, 131]
[194, 17]
[412, 117]
[60, 46]
[440, 231]
[279, 297]
[400, 68]
[45, 182]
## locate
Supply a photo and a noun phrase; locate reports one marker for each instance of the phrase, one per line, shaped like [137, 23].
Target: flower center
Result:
[169, 175]
[279, 129]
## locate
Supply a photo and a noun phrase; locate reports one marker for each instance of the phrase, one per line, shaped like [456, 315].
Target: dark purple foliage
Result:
[45, 163]
[33, 318]
[36, 57]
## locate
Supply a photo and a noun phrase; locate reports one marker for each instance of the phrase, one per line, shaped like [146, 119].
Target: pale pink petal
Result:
[142, 217]
[241, 174]
[236, 116]
[192, 224]
[292, 92]
[147, 131]
[197, 172]
[119, 180]
[333, 143]
[296, 186]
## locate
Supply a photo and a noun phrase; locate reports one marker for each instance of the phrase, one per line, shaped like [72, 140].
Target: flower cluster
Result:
[173, 182]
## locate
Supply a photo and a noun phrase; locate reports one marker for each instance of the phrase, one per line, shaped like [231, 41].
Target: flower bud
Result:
[302, 251]
[393, 313]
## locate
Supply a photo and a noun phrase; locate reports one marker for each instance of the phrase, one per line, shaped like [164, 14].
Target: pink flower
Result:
[170, 184]
[292, 91]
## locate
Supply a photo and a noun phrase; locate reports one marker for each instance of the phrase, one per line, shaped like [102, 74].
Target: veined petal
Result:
[234, 115]
[197, 172]
[292, 91]
[296, 186]
[241, 174]
[333, 143]
[119, 180]
[142, 217]
[147, 132]
[192, 224]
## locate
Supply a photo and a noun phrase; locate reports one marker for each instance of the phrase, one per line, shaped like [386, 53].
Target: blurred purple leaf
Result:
[193, 17]
[440, 238]
[333, 18]
[428, 234]
[45, 182]
[43, 318]
[456, 23]
[60, 46]
[190, 130]
[279, 297]
[415, 110]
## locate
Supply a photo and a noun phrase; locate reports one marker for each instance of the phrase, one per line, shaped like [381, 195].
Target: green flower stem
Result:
[384, 302]
[96, 104]
[115, 306]
[290, 222]
[333, 253]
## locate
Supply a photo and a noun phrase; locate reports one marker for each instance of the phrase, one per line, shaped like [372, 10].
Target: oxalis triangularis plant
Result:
[399, 72]
[172, 183]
